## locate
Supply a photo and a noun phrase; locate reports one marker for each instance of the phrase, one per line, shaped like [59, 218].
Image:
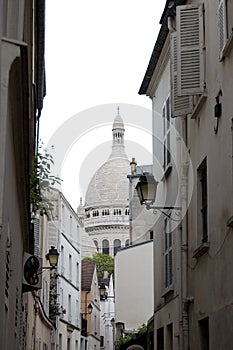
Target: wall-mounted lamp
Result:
[103, 292]
[89, 310]
[52, 256]
[146, 189]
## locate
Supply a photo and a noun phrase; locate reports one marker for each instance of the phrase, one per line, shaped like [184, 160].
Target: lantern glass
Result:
[146, 189]
[102, 290]
[53, 256]
[89, 309]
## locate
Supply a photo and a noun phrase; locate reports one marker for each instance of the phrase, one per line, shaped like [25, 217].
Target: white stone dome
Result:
[109, 186]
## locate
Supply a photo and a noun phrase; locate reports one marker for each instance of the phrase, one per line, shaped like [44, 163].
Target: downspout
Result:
[184, 241]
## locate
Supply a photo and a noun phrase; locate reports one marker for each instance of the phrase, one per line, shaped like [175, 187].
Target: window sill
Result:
[167, 171]
[198, 105]
[230, 222]
[168, 293]
[227, 48]
[202, 249]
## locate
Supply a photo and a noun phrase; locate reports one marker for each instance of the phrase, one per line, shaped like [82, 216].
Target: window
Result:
[117, 245]
[70, 267]
[61, 297]
[160, 339]
[166, 134]
[95, 213]
[96, 244]
[60, 341]
[46, 297]
[127, 243]
[204, 333]
[77, 312]
[151, 235]
[168, 253]
[101, 341]
[105, 247]
[105, 212]
[71, 225]
[69, 308]
[202, 202]
[62, 259]
[117, 212]
[169, 337]
[77, 274]
[127, 211]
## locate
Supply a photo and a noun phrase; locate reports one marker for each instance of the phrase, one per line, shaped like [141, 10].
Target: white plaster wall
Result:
[134, 285]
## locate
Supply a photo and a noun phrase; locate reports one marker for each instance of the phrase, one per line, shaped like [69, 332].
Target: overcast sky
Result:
[97, 53]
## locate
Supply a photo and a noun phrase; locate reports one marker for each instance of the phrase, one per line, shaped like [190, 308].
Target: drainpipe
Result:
[184, 242]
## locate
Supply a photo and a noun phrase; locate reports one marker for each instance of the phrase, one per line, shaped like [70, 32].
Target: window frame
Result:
[168, 254]
[166, 114]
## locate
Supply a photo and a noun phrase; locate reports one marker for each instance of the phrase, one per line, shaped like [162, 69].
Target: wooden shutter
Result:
[52, 234]
[222, 26]
[37, 240]
[180, 105]
[190, 53]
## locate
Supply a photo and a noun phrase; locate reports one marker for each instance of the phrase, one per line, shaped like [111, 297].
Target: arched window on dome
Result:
[105, 247]
[95, 213]
[117, 245]
[117, 212]
[127, 243]
[96, 244]
[105, 212]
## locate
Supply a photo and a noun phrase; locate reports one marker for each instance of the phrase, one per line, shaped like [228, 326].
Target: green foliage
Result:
[125, 339]
[40, 180]
[142, 329]
[103, 263]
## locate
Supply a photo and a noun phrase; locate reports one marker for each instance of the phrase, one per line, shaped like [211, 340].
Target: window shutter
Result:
[52, 234]
[222, 25]
[36, 226]
[190, 53]
[181, 105]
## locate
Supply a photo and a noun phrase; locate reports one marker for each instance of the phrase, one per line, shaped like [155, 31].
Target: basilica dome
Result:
[106, 217]
[109, 185]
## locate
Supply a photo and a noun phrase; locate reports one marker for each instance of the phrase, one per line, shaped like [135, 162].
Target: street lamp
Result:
[53, 256]
[146, 190]
[102, 289]
[88, 309]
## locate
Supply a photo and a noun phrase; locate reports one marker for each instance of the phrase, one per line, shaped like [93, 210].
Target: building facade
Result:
[90, 296]
[21, 102]
[64, 231]
[189, 78]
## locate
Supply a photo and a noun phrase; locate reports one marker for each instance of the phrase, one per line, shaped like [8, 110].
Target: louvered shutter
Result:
[222, 26]
[52, 234]
[181, 105]
[37, 240]
[190, 53]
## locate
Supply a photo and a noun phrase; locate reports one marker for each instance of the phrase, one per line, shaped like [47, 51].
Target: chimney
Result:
[133, 166]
